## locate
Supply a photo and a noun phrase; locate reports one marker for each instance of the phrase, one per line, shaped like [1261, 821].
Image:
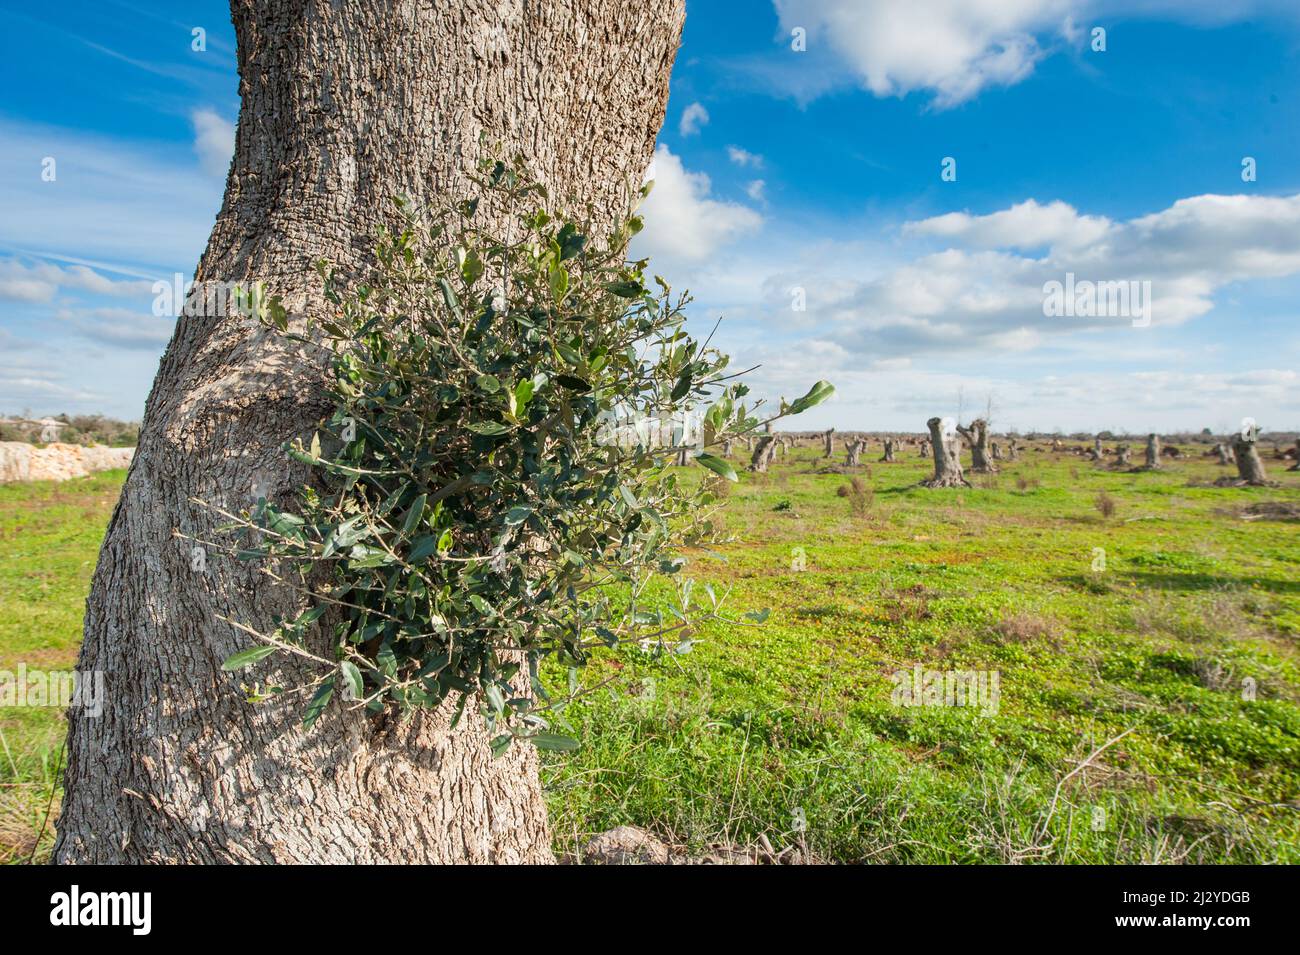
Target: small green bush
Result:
[481, 508]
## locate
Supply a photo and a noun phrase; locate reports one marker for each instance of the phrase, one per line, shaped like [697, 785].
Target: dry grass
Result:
[860, 495]
[1105, 505]
[1026, 628]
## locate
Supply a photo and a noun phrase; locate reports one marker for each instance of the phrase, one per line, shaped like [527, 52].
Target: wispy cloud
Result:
[135, 203]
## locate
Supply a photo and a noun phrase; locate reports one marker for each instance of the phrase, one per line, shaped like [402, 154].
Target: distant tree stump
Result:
[947, 460]
[978, 435]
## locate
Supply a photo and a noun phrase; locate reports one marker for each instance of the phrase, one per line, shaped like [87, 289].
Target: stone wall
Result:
[57, 462]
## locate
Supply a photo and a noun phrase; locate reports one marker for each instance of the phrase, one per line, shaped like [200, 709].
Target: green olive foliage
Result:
[480, 502]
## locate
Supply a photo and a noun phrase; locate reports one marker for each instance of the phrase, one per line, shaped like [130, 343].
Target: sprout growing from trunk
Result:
[468, 515]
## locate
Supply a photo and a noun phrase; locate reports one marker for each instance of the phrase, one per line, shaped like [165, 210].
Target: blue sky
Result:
[782, 175]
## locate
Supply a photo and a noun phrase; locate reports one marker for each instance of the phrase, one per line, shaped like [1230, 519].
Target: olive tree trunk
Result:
[888, 456]
[947, 459]
[764, 454]
[829, 438]
[344, 106]
[978, 435]
[1153, 452]
[1250, 469]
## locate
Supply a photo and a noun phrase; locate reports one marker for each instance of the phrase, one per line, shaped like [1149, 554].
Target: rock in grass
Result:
[626, 845]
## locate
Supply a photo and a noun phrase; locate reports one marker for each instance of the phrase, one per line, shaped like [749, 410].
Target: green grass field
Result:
[788, 731]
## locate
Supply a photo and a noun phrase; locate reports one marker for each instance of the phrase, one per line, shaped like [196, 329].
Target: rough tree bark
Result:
[1224, 450]
[924, 451]
[853, 452]
[1153, 452]
[1250, 469]
[888, 456]
[344, 106]
[1096, 453]
[1122, 459]
[947, 458]
[1013, 450]
[978, 436]
[829, 438]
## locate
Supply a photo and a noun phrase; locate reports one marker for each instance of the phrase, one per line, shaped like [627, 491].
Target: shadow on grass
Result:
[1195, 582]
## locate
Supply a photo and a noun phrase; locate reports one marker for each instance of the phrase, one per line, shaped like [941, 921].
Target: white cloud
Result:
[954, 49]
[694, 117]
[744, 158]
[214, 141]
[683, 223]
[757, 190]
[981, 297]
[899, 394]
[40, 282]
[121, 327]
[133, 203]
[1026, 225]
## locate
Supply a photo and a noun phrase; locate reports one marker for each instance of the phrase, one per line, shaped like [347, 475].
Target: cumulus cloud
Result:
[694, 117]
[983, 293]
[684, 223]
[1026, 225]
[743, 157]
[214, 141]
[954, 49]
[898, 394]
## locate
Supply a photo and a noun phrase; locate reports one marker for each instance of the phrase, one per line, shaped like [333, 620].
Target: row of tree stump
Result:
[945, 437]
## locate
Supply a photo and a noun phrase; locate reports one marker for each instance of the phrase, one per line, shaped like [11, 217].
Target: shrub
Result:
[481, 507]
[860, 497]
[1105, 505]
